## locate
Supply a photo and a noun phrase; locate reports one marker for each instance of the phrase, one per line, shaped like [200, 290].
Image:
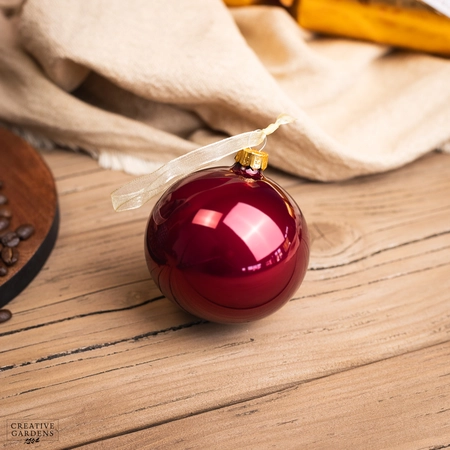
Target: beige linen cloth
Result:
[138, 82]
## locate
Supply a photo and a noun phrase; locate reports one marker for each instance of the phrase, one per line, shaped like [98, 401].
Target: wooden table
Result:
[358, 359]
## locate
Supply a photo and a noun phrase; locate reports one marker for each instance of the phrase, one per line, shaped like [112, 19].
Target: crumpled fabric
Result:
[139, 83]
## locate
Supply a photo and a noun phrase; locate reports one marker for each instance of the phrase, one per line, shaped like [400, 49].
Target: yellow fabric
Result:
[417, 28]
[138, 83]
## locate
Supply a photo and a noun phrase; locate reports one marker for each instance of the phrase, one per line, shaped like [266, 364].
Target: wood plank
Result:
[328, 300]
[173, 372]
[93, 344]
[379, 406]
[69, 163]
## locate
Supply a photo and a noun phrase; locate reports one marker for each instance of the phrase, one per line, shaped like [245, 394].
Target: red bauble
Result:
[227, 244]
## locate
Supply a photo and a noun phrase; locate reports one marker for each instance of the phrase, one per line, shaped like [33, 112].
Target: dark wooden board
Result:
[30, 188]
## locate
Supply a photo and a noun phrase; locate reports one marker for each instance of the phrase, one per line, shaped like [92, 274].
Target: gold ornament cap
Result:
[252, 158]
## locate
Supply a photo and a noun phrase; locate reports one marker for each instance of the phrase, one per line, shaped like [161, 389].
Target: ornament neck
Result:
[247, 171]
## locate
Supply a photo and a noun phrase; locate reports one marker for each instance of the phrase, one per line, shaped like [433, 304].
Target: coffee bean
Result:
[5, 212]
[25, 231]
[3, 269]
[10, 255]
[5, 315]
[10, 239]
[4, 223]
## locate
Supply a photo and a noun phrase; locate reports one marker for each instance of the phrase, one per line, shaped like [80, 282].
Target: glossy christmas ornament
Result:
[226, 244]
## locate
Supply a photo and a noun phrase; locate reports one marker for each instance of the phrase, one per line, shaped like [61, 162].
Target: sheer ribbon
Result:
[138, 191]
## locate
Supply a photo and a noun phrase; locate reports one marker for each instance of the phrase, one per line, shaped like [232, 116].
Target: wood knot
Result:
[332, 244]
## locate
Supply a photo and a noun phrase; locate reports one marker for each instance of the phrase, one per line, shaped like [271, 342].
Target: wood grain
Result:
[357, 359]
[369, 408]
